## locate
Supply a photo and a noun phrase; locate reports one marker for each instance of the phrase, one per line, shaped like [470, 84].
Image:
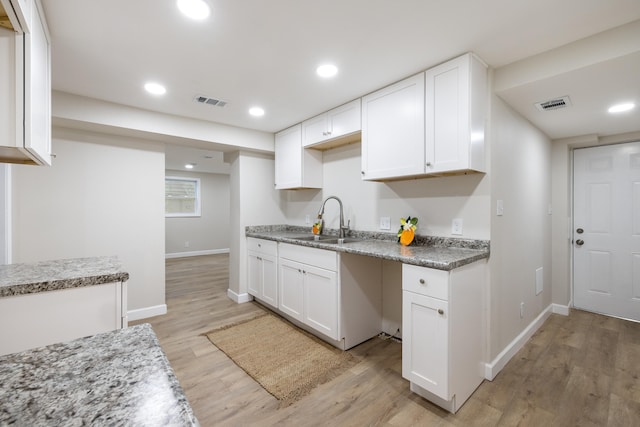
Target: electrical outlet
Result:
[385, 223]
[521, 310]
[499, 208]
[456, 226]
[186, 244]
[307, 219]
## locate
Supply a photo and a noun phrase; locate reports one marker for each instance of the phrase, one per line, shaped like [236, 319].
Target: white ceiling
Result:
[257, 52]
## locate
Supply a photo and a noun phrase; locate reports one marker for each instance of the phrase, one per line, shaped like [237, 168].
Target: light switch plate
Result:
[456, 226]
[385, 223]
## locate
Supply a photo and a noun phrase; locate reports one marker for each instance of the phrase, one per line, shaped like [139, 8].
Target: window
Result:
[182, 196]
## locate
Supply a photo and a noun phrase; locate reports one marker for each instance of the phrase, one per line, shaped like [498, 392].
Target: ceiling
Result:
[264, 53]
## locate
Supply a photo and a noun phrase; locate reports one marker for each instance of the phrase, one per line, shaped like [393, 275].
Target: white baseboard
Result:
[560, 309]
[197, 253]
[143, 313]
[492, 369]
[239, 298]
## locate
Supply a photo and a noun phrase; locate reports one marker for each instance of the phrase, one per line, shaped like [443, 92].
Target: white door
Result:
[321, 300]
[606, 230]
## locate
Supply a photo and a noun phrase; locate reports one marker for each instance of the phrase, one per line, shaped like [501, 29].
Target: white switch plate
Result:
[456, 226]
[499, 208]
[385, 223]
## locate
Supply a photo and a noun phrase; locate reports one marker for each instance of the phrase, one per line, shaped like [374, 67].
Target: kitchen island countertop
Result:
[117, 378]
[433, 252]
[28, 278]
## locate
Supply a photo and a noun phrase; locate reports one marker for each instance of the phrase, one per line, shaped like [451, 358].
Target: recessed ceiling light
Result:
[189, 165]
[155, 88]
[256, 111]
[620, 108]
[327, 70]
[194, 9]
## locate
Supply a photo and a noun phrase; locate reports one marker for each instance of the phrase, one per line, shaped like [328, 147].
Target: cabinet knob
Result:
[422, 282]
[362, 172]
[429, 164]
[440, 311]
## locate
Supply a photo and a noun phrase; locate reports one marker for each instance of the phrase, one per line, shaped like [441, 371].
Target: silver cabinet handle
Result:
[579, 242]
[440, 311]
[422, 281]
[429, 164]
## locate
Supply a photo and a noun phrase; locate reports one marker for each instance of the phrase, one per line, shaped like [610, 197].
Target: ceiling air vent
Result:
[210, 101]
[554, 104]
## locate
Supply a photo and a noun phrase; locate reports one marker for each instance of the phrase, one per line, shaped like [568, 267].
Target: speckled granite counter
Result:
[434, 252]
[28, 278]
[119, 378]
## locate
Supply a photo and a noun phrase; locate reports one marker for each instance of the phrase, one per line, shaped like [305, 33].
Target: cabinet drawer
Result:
[425, 281]
[321, 258]
[267, 247]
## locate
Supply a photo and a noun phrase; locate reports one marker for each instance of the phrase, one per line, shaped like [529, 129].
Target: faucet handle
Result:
[348, 225]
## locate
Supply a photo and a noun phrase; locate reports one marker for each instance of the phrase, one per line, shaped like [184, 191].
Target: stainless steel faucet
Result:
[342, 227]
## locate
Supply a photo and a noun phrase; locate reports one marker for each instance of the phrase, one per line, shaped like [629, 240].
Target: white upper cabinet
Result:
[333, 126]
[393, 131]
[429, 124]
[25, 80]
[456, 97]
[295, 166]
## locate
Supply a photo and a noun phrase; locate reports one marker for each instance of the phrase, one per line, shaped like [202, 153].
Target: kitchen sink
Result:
[333, 240]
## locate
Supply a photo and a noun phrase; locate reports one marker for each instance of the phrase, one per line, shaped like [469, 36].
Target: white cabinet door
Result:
[270, 280]
[290, 281]
[314, 130]
[344, 120]
[263, 277]
[425, 343]
[333, 124]
[393, 131]
[25, 82]
[37, 97]
[296, 167]
[254, 274]
[455, 115]
[321, 300]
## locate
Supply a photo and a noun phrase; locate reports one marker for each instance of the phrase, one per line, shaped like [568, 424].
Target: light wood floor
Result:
[580, 370]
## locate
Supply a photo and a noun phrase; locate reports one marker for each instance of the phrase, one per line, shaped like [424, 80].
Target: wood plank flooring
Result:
[577, 370]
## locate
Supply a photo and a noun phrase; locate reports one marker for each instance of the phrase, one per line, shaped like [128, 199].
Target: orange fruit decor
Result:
[315, 230]
[407, 237]
[407, 230]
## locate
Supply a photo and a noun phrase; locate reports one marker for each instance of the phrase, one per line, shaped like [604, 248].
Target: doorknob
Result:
[579, 242]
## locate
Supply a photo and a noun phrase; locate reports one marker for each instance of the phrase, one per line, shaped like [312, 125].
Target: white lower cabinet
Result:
[443, 332]
[263, 270]
[43, 318]
[308, 282]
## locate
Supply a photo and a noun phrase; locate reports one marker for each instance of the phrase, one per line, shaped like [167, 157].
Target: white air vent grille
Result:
[554, 104]
[210, 101]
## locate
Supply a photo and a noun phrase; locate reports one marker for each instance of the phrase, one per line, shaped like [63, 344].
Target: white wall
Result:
[521, 238]
[96, 200]
[435, 201]
[254, 201]
[208, 233]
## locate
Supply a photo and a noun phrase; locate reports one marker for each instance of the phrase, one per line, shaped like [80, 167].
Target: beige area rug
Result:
[286, 361]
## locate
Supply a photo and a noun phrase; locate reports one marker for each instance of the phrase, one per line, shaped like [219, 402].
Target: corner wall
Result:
[102, 196]
[521, 237]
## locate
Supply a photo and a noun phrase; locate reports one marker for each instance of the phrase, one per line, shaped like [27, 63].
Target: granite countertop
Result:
[433, 252]
[28, 278]
[119, 378]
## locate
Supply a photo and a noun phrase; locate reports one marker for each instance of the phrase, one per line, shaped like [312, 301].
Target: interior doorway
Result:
[606, 230]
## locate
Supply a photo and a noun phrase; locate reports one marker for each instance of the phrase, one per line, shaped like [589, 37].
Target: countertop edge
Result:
[463, 255]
